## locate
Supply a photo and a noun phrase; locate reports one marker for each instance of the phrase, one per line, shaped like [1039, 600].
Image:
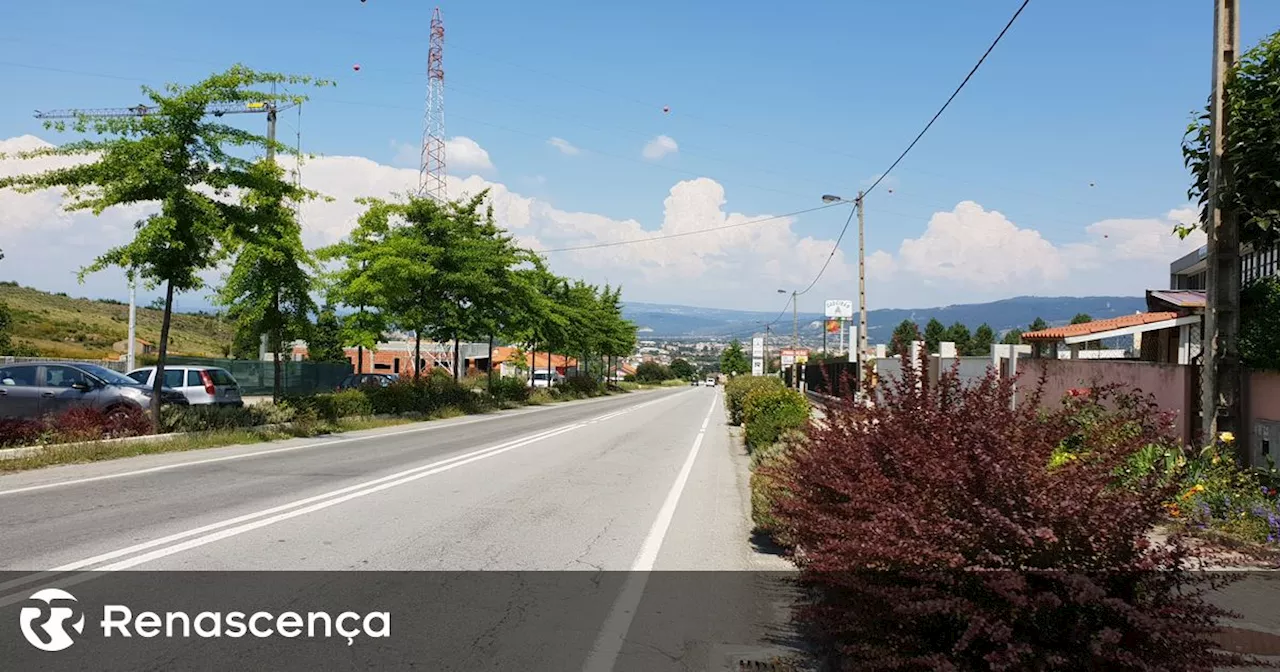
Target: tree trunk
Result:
[551, 373]
[533, 361]
[359, 359]
[456, 371]
[490, 363]
[275, 355]
[417, 353]
[160, 359]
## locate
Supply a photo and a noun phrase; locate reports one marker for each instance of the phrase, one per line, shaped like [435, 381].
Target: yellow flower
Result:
[1226, 437]
[1216, 459]
[1199, 487]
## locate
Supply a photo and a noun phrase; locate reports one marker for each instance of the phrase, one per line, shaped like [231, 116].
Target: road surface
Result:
[606, 534]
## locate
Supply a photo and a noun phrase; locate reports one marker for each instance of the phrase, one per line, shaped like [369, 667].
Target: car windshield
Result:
[107, 375]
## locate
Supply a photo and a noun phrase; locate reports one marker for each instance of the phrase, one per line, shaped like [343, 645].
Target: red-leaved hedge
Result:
[934, 536]
[74, 424]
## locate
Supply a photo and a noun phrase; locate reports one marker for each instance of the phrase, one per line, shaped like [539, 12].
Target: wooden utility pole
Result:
[862, 284]
[1220, 356]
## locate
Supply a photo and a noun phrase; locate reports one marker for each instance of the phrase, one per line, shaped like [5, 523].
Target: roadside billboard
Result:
[839, 308]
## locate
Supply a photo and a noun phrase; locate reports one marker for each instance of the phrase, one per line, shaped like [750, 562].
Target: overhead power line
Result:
[691, 233]
[916, 140]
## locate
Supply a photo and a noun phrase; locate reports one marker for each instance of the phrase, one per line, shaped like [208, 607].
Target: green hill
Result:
[58, 325]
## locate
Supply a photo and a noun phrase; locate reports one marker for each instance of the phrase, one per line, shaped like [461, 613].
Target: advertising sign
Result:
[839, 308]
[833, 326]
[757, 367]
[794, 356]
[757, 347]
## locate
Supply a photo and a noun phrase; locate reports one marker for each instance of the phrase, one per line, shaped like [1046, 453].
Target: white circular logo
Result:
[44, 625]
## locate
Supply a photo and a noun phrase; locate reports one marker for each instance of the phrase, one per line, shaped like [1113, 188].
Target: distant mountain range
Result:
[672, 321]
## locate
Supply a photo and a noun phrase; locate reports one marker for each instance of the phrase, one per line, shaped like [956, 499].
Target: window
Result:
[173, 378]
[63, 376]
[193, 378]
[221, 377]
[397, 362]
[141, 376]
[18, 375]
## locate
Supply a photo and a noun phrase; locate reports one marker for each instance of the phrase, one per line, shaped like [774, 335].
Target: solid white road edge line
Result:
[608, 644]
[340, 495]
[273, 451]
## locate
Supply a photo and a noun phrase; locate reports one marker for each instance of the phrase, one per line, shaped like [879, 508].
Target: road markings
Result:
[166, 546]
[608, 644]
[272, 451]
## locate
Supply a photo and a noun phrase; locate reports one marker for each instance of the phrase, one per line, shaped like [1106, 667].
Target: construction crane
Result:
[215, 109]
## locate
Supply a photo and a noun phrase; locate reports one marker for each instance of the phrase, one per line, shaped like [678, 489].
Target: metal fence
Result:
[836, 379]
[256, 378]
[105, 363]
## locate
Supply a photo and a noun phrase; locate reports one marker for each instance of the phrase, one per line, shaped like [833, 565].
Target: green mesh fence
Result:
[255, 378]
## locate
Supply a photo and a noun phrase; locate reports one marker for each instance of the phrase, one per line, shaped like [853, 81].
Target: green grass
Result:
[97, 452]
[80, 328]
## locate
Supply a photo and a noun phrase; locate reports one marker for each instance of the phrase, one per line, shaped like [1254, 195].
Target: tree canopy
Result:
[180, 157]
[903, 335]
[934, 333]
[1250, 183]
[733, 361]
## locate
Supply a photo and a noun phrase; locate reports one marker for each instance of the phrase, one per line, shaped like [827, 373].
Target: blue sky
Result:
[778, 103]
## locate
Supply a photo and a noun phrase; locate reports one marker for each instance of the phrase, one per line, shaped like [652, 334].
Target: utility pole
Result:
[1220, 357]
[766, 348]
[131, 359]
[862, 284]
[795, 323]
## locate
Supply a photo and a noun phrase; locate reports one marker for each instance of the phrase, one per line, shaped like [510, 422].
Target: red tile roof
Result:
[1097, 326]
[1183, 298]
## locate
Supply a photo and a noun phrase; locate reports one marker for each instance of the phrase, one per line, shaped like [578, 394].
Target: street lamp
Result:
[862, 272]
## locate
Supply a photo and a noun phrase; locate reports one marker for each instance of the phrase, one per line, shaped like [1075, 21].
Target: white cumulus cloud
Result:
[659, 147]
[564, 146]
[464, 154]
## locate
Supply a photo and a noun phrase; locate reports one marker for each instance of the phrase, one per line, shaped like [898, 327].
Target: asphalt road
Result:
[607, 534]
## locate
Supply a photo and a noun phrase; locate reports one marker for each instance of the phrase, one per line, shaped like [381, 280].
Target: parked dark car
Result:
[359, 380]
[34, 389]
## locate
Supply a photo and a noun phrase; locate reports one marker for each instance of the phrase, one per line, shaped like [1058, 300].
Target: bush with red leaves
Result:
[20, 431]
[934, 536]
[75, 424]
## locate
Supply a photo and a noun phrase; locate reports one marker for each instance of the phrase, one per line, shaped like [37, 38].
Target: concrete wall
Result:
[1263, 399]
[1171, 384]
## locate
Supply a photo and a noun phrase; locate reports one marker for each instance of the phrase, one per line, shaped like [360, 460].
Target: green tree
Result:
[982, 341]
[245, 343]
[733, 361]
[652, 372]
[269, 287]
[683, 369]
[325, 341]
[903, 336]
[1081, 318]
[1038, 325]
[934, 333]
[352, 284]
[959, 334]
[1250, 184]
[178, 158]
[1260, 324]
[1012, 337]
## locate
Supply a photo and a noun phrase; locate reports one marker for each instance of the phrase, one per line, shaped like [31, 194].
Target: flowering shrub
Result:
[1218, 494]
[20, 431]
[934, 536]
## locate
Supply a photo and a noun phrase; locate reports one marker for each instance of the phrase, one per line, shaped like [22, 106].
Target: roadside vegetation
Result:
[85, 434]
[446, 272]
[946, 527]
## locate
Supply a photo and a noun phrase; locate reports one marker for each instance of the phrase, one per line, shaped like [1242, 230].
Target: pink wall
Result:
[1264, 395]
[1169, 383]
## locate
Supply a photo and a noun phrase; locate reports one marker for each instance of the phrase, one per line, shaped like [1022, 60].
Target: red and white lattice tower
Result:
[431, 170]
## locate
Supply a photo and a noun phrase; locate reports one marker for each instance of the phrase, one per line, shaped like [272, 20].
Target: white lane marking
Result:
[247, 527]
[608, 644]
[339, 496]
[272, 451]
